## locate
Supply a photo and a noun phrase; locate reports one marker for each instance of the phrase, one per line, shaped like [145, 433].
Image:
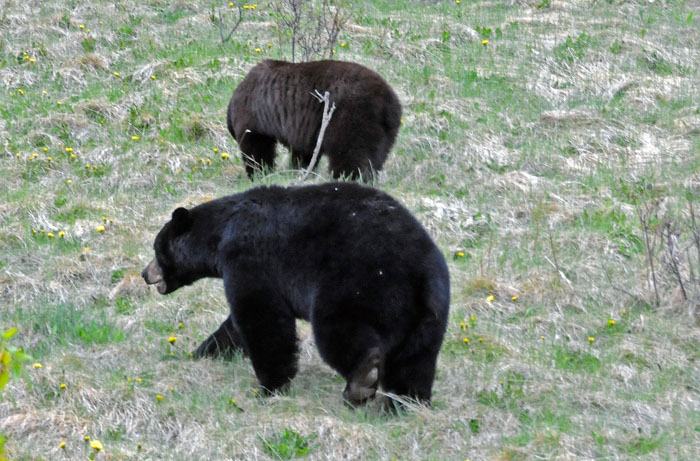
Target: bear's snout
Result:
[152, 274]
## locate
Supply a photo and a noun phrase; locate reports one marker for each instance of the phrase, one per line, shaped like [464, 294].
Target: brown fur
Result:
[274, 103]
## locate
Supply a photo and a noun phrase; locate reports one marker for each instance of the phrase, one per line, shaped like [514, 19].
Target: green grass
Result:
[527, 159]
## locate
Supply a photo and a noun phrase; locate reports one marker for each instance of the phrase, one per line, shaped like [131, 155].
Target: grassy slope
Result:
[514, 153]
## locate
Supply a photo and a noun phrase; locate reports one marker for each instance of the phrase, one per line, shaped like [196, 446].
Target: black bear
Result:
[274, 103]
[347, 258]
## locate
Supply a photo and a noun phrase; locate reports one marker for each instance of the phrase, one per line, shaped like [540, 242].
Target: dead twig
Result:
[327, 114]
[671, 236]
[221, 25]
[645, 216]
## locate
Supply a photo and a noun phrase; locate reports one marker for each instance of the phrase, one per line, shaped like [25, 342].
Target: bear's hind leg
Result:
[353, 350]
[351, 166]
[364, 381]
[410, 375]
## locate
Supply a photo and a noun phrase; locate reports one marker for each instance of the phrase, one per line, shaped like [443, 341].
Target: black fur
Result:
[274, 103]
[347, 258]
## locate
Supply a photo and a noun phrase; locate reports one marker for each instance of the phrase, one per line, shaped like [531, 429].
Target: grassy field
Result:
[551, 148]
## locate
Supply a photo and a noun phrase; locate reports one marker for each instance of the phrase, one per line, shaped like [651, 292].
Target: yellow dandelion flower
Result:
[159, 397]
[542, 337]
[231, 5]
[466, 340]
[87, 437]
[100, 22]
[224, 155]
[87, 166]
[100, 228]
[20, 91]
[86, 249]
[258, 50]
[32, 59]
[37, 365]
[208, 161]
[62, 445]
[245, 7]
[460, 254]
[72, 156]
[50, 235]
[34, 231]
[111, 220]
[49, 159]
[61, 234]
[252, 7]
[69, 149]
[153, 77]
[472, 318]
[463, 324]
[481, 340]
[172, 339]
[81, 26]
[104, 218]
[484, 42]
[269, 45]
[88, 31]
[46, 149]
[96, 445]
[591, 339]
[402, 122]
[26, 57]
[342, 45]
[179, 325]
[44, 92]
[514, 298]
[611, 322]
[116, 74]
[59, 102]
[216, 150]
[138, 380]
[62, 385]
[135, 138]
[490, 298]
[458, 2]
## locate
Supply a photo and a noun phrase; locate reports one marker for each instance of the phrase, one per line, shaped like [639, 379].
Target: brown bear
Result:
[274, 102]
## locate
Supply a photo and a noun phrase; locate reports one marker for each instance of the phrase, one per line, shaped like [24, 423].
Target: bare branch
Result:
[221, 25]
[644, 217]
[327, 114]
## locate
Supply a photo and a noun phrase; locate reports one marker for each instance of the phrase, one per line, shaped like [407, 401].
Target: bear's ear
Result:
[181, 221]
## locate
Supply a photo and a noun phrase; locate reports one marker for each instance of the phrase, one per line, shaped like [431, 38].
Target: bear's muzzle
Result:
[152, 275]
